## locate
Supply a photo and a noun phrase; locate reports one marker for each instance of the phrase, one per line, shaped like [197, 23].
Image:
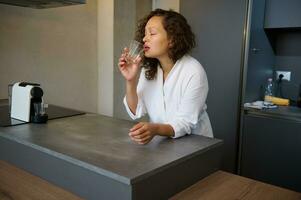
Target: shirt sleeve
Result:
[140, 109]
[193, 102]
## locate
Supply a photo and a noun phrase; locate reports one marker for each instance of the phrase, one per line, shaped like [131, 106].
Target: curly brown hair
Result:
[178, 30]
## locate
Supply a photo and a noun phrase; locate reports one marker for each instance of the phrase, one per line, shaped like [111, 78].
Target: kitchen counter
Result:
[93, 157]
[281, 112]
[275, 158]
[53, 111]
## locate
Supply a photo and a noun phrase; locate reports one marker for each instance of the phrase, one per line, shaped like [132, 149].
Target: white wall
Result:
[56, 47]
[126, 14]
[105, 56]
[167, 4]
[69, 50]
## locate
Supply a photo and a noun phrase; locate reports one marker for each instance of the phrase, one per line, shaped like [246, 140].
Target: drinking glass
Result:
[10, 87]
[135, 50]
[39, 108]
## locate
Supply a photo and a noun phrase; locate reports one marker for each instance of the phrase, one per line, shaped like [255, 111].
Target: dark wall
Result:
[293, 64]
[261, 57]
[219, 26]
[288, 58]
[283, 27]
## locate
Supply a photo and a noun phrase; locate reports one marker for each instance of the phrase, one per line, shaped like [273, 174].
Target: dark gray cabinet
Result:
[271, 139]
[238, 56]
[219, 28]
[283, 14]
[272, 151]
[283, 29]
[261, 57]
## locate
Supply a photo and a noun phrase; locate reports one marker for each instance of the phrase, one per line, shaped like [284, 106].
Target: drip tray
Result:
[54, 112]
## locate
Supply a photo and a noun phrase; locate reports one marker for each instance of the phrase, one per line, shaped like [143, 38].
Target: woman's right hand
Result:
[131, 70]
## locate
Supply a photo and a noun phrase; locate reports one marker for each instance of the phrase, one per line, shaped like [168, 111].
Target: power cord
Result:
[279, 86]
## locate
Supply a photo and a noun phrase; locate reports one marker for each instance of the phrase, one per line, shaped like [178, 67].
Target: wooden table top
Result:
[17, 184]
[225, 186]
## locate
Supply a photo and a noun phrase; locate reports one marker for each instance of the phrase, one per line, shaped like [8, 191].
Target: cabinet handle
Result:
[255, 50]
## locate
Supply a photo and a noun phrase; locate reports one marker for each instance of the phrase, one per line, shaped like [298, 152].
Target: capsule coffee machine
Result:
[27, 103]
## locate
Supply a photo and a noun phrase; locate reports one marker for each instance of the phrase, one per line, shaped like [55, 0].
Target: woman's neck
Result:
[166, 64]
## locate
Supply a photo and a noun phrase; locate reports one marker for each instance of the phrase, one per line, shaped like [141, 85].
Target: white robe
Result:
[179, 102]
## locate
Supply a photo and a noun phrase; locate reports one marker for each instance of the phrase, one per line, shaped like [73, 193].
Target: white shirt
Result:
[179, 102]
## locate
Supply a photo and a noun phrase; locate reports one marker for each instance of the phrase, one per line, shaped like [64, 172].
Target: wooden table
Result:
[17, 184]
[225, 186]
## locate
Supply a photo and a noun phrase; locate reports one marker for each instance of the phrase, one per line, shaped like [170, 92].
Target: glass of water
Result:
[135, 50]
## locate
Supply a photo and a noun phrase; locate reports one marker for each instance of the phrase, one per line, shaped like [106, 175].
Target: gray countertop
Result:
[281, 112]
[102, 144]
[53, 111]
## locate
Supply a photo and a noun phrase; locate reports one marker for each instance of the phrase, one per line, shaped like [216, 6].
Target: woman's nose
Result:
[144, 38]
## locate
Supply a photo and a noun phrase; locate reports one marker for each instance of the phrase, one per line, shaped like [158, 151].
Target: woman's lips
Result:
[146, 48]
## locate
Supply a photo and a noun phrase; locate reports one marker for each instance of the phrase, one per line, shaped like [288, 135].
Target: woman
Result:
[167, 84]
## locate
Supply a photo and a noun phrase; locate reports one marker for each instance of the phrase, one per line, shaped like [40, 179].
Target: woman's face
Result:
[156, 42]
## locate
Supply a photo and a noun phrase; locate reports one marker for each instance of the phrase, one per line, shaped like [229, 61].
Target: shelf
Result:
[282, 14]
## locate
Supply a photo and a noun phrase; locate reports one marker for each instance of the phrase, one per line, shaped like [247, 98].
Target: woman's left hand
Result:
[143, 132]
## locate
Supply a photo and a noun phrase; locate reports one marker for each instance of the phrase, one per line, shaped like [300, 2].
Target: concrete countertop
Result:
[281, 112]
[102, 144]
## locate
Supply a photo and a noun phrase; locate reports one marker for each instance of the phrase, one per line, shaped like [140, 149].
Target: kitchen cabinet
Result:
[283, 29]
[283, 14]
[271, 149]
[239, 56]
[270, 139]
[42, 4]
[260, 56]
[219, 28]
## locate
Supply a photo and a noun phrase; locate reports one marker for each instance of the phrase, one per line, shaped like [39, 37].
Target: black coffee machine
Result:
[27, 103]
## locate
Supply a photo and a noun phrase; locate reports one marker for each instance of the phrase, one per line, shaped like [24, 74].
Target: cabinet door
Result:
[271, 151]
[260, 55]
[219, 29]
[283, 14]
